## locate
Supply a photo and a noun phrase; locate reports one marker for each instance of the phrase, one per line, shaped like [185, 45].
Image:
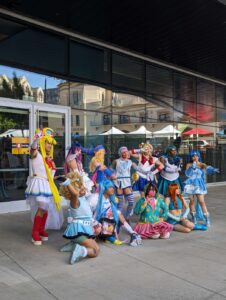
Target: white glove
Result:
[150, 176]
[34, 145]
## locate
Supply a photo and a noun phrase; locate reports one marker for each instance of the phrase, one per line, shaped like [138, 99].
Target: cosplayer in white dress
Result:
[41, 193]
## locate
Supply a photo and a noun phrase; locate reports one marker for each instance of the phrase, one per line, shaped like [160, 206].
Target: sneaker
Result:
[165, 236]
[113, 240]
[67, 247]
[44, 236]
[139, 239]
[36, 242]
[155, 236]
[77, 253]
[135, 240]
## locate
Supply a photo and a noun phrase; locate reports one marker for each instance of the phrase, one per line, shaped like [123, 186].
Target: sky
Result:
[35, 80]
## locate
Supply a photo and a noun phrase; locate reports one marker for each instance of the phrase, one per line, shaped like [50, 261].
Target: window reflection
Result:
[115, 118]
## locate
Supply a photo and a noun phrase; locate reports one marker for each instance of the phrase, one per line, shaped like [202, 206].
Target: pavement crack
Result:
[30, 275]
[167, 272]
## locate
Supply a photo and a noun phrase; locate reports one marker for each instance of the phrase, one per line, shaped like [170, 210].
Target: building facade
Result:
[84, 87]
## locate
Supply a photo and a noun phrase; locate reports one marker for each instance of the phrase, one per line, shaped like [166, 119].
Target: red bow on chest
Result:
[50, 163]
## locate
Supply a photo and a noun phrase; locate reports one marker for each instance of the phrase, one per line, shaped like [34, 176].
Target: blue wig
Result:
[192, 153]
[169, 149]
[103, 187]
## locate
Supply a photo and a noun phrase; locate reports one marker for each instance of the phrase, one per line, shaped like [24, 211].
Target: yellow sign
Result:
[20, 145]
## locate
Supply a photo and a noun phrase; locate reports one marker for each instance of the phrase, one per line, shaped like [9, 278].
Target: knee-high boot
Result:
[42, 232]
[36, 239]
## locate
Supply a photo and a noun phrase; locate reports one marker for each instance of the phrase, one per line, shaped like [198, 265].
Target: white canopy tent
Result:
[141, 130]
[167, 131]
[15, 133]
[111, 131]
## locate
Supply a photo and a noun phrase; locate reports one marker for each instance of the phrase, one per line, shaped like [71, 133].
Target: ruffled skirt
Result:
[39, 195]
[79, 227]
[195, 186]
[163, 184]
[38, 187]
[88, 183]
[140, 184]
[147, 230]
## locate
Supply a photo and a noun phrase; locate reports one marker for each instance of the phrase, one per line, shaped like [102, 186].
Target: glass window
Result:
[24, 85]
[89, 62]
[91, 97]
[205, 92]
[159, 82]
[127, 72]
[34, 48]
[221, 96]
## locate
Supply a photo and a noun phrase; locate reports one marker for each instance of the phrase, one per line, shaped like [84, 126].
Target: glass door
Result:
[58, 119]
[18, 121]
[15, 119]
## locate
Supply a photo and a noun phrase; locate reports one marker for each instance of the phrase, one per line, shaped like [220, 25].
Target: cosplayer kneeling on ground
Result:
[179, 210]
[81, 228]
[108, 215]
[153, 212]
[41, 193]
[195, 184]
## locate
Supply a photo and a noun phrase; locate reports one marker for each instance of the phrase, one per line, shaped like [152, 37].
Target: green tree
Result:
[6, 123]
[18, 91]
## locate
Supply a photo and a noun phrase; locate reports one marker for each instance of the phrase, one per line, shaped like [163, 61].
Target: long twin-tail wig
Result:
[172, 193]
[78, 157]
[53, 188]
[104, 186]
[98, 158]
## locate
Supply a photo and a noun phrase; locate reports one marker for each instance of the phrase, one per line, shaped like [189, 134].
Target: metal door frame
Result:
[33, 108]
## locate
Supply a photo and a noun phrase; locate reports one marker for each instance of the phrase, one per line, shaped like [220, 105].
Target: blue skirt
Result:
[163, 185]
[77, 228]
[140, 184]
[195, 186]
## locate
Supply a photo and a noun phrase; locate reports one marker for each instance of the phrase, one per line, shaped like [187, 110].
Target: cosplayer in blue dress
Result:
[81, 226]
[79, 221]
[170, 174]
[195, 186]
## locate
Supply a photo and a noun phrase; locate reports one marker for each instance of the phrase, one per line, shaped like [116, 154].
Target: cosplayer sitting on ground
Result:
[80, 228]
[148, 166]
[179, 210]
[153, 212]
[41, 193]
[195, 184]
[108, 215]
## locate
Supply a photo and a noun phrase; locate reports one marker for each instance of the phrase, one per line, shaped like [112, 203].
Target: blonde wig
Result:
[76, 182]
[97, 159]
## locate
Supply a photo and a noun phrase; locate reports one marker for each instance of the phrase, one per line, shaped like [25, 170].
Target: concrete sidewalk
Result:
[188, 266]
